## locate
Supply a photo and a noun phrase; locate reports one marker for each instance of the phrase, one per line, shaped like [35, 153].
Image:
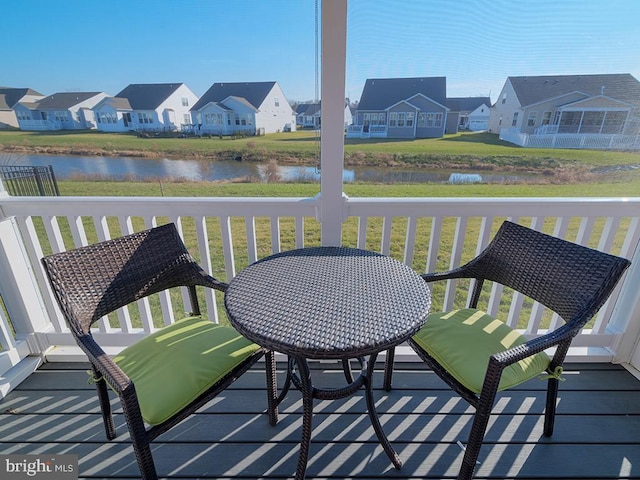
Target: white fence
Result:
[226, 234]
[567, 140]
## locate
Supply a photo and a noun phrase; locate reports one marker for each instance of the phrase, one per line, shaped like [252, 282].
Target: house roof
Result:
[148, 96]
[308, 108]
[13, 95]
[467, 104]
[119, 103]
[241, 100]
[64, 100]
[253, 92]
[530, 90]
[381, 93]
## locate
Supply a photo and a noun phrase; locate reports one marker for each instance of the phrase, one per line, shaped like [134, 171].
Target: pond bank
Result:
[547, 167]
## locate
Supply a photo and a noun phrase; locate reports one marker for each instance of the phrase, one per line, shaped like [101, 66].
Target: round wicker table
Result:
[328, 303]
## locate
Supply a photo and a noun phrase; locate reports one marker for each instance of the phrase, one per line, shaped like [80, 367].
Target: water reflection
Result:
[124, 168]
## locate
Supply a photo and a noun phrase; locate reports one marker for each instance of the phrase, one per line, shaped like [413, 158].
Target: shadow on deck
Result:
[597, 433]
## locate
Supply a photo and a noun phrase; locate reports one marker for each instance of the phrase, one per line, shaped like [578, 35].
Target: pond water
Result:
[122, 168]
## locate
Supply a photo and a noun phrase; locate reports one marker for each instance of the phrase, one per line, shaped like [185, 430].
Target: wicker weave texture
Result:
[93, 281]
[572, 280]
[328, 302]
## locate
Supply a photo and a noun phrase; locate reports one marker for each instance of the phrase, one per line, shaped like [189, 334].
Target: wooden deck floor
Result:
[597, 432]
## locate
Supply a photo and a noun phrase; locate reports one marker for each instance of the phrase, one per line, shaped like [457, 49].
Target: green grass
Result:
[610, 188]
[350, 227]
[462, 149]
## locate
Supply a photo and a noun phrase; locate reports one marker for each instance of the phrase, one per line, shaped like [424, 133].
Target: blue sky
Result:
[104, 45]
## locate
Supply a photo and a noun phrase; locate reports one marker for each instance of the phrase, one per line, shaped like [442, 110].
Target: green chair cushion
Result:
[463, 340]
[173, 366]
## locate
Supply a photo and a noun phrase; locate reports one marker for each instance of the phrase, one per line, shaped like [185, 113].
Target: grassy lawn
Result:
[462, 149]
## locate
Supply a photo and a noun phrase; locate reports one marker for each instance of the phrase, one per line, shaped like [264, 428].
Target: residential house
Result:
[569, 111]
[60, 111]
[249, 108]
[147, 107]
[468, 113]
[401, 108]
[308, 115]
[9, 97]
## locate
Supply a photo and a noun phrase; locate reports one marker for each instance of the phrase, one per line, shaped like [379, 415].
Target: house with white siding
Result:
[60, 111]
[569, 111]
[9, 97]
[147, 107]
[309, 115]
[468, 113]
[247, 108]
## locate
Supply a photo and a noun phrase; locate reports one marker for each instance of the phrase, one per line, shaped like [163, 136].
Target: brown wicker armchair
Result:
[149, 376]
[478, 355]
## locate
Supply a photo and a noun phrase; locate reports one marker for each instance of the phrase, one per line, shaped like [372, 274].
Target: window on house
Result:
[393, 119]
[514, 122]
[145, 118]
[546, 118]
[613, 122]
[187, 119]
[276, 101]
[237, 118]
[61, 116]
[504, 98]
[185, 102]
[434, 119]
[410, 118]
[401, 119]
[531, 120]
[422, 119]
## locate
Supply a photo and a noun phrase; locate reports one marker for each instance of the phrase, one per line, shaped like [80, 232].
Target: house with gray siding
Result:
[60, 111]
[147, 107]
[569, 111]
[401, 108]
[9, 98]
[247, 108]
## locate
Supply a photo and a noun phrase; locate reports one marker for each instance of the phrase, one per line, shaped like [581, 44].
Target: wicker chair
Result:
[93, 281]
[571, 280]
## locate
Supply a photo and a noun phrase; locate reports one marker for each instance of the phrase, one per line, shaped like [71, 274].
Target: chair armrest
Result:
[207, 280]
[535, 345]
[460, 272]
[112, 374]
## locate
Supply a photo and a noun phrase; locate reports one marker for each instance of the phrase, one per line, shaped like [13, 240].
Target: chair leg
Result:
[550, 410]
[388, 369]
[139, 436]
[272, 387]
[105, 404]
[474, 443]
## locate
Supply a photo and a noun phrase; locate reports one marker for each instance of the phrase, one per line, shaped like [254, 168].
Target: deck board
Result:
[597, 431]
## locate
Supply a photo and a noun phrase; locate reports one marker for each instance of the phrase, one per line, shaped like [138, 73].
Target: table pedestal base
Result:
[302, 381]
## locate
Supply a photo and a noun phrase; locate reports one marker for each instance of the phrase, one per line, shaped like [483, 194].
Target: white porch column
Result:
[18, 285]
[626, 317]
[334, 53]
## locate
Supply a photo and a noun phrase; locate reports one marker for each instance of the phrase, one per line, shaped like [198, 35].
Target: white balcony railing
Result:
[226, 234]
